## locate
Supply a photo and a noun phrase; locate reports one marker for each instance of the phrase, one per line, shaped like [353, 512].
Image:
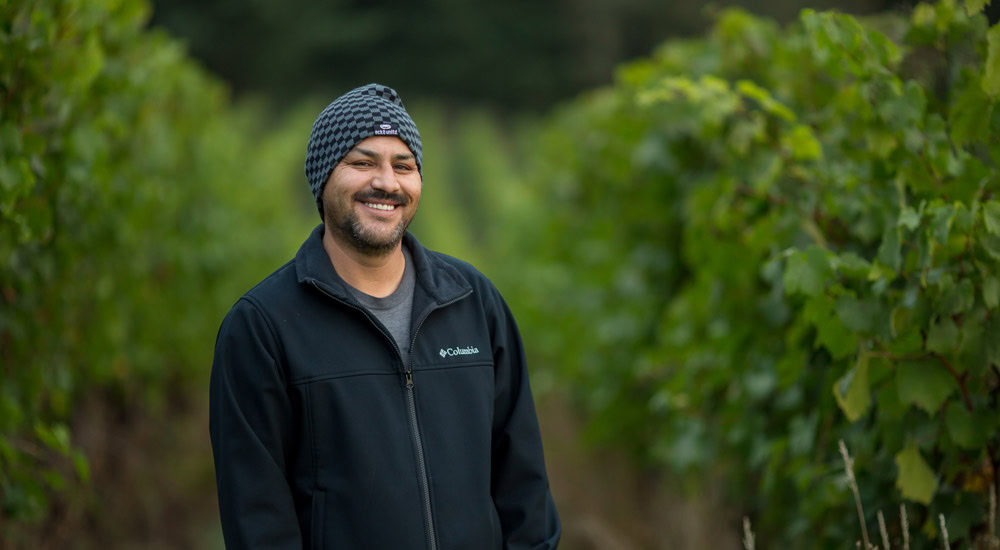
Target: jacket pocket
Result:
[318, 527]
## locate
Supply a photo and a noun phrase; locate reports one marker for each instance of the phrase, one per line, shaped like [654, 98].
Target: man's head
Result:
[371, 110]
[372, 195]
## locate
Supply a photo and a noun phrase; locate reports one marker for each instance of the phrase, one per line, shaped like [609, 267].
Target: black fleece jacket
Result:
[324, 438]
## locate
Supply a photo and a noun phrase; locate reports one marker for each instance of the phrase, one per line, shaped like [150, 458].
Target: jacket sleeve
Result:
[520, 486]
[250, 421]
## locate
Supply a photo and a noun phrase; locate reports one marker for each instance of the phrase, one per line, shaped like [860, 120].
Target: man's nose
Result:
[385, 178]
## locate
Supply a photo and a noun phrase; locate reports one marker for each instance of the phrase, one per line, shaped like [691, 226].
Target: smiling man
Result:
[371, 393]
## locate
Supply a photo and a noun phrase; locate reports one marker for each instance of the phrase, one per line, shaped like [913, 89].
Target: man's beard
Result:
[364, 241]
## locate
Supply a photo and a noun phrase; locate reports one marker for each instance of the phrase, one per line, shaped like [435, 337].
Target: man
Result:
[371, 393]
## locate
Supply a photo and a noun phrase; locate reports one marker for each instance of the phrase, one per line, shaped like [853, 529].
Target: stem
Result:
[961, 381]
[994, 542]
[944, 532]
[748, 538]
[883, 531]
[906, 527]
[849, 468]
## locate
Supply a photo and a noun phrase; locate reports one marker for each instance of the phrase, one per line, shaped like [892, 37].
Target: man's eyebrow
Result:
[372, 154]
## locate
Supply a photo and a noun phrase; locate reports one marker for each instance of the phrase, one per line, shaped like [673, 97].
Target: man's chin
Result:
[371, 239]
[375, 244]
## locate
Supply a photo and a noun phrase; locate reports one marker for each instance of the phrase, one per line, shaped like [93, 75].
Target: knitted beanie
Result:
[371, 110]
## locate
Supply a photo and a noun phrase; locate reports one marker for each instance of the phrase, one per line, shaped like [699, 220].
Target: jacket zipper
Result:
[414, 426]
[410, 401]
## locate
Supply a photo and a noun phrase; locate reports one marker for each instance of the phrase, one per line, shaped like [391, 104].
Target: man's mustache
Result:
[378, 194]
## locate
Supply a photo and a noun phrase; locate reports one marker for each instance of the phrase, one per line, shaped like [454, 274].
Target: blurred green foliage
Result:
[753, 244]
[767, 239]
[517, 55]
[130, 219]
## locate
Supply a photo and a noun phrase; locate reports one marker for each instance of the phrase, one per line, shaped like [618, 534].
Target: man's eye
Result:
[404, 167]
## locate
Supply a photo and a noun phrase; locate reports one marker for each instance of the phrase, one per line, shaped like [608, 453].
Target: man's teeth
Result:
[380, 206]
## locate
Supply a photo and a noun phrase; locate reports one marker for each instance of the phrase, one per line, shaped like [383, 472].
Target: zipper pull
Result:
[409, 379]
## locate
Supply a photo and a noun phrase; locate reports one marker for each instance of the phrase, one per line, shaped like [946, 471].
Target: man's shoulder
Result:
[481, 285]
[466, 270]
[279, 286]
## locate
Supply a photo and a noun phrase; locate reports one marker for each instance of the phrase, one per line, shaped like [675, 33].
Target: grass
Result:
[988, 541]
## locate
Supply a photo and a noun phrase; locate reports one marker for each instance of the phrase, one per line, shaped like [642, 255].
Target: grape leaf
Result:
[831, 331]
[925, 383]
[991, 244]
[991, 216]
[889, 250]
[973, 7]
[915, 480]
[942, 222]
[909, 218]
[802, 143]
[991, 74]
[965, 428]
[807, 271]
[991, 291]
[957, 298]
[942, 337]
[852, 392]
[857, 315]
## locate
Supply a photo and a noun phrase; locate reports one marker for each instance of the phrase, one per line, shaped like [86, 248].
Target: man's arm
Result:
[250, 421]
[521, 493]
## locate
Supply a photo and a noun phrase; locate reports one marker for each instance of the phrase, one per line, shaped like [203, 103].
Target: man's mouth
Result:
[379, 206]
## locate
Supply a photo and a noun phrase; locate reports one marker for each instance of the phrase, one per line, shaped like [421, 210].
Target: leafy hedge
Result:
[762, 241]
[130, 220]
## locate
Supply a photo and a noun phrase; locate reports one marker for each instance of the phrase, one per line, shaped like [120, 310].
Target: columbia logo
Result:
[451, 352]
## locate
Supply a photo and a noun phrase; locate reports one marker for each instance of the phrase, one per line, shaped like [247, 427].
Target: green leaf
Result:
[899, 320]
[991, 291]
[991, 244]
[973, 7]
[963, 428]
[831, 332]
[991, 337]
[54, 436]
[925, 383]
[807, 271]
[852, 265]
[991, 216]
[888, 402]
[81, 465]
[957, 298]
[942, 337]
[889, 250]
[915, 480]
[802, 143]
[973, 355]
[909, 218]
[963, 216]
[764, 98]
[941, 223]
[857, 315]
[969, 116]
[991, 73]
[851, 391]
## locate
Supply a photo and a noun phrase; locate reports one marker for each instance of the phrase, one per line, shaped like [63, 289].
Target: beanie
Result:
[371, 110]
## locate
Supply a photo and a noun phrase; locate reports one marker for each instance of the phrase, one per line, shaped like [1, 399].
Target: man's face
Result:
[372, 195]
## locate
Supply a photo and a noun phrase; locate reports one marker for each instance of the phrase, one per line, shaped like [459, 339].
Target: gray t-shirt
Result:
[394, 310]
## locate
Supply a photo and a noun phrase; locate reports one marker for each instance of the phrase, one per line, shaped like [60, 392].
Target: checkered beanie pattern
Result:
[371, 110]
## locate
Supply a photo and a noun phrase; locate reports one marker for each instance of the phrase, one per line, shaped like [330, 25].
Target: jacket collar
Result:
[442, 282]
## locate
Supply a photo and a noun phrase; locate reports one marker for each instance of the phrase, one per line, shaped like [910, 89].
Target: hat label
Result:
[386, 129]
